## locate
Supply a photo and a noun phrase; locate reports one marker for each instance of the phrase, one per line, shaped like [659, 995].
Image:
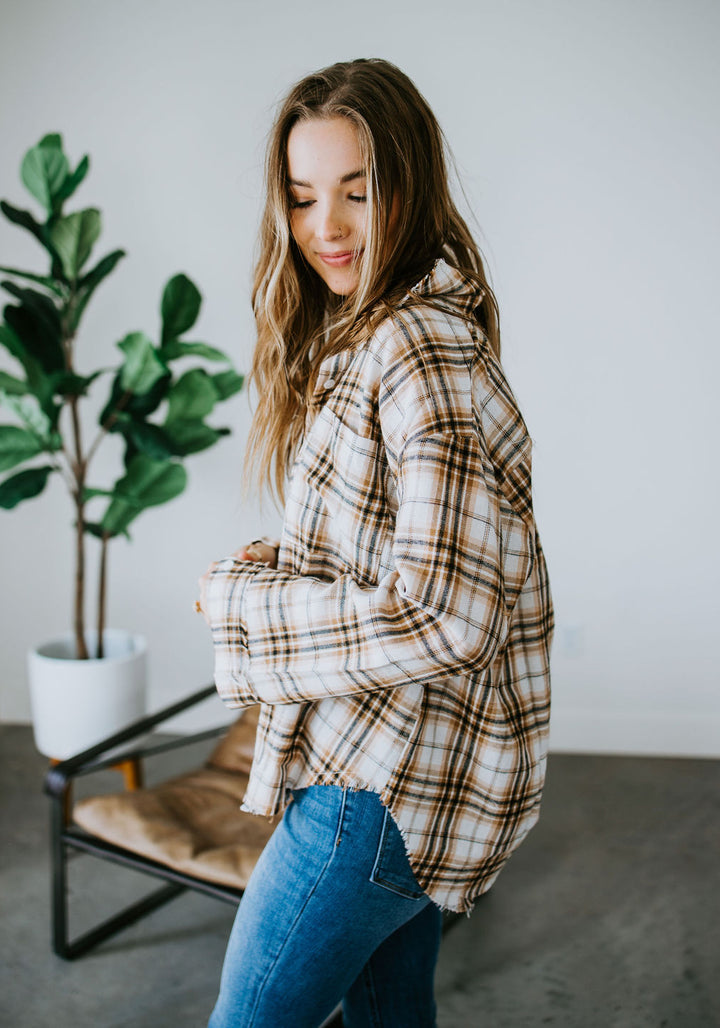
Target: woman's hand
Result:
[259, 551]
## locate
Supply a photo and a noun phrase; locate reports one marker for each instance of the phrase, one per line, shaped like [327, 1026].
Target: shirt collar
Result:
[444, 285]
[449, 288]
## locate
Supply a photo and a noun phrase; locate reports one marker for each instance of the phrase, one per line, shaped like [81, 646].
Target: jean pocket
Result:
[392, 868]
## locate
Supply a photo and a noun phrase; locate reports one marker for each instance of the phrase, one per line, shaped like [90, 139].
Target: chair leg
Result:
[61, 943]
[58, 820]
[132, 773]
[67, 795]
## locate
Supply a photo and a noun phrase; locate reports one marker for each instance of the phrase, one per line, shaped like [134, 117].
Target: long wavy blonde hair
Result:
[299, 321]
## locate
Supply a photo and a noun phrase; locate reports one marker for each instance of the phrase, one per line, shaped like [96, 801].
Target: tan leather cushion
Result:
[235, 750]
[191, 823]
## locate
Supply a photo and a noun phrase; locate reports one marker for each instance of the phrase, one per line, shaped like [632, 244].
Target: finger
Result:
[259, 552]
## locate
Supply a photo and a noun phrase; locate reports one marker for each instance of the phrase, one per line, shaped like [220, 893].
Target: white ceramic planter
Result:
[76, 703]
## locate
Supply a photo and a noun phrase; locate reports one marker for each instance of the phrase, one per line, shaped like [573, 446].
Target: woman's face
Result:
[328, 212]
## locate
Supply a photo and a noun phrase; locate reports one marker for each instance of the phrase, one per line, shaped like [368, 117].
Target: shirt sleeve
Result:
[281, 638]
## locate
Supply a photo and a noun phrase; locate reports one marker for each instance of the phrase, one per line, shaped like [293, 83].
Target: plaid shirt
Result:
[402, 644]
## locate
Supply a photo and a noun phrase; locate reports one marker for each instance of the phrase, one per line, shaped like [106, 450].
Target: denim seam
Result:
[341, 822]
[318, 879]
[384, 883]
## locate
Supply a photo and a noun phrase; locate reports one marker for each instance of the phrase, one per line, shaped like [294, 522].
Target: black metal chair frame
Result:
[65, 836]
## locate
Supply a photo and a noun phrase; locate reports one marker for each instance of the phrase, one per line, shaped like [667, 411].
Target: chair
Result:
[188, 831]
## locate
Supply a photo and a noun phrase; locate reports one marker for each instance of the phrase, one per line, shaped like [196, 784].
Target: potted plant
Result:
[158, 397]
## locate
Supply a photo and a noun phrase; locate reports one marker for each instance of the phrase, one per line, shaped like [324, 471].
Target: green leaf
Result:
[101, 270]
[23, 486]
[38, 330]
[12, 386]
[174, 349]
[88, 284]
[53, 141]
[73, 180]
[25, 220]
[147, 483]
[192, 397]
[74, 237]
[188, 436]
[39, 383]
[227, 383]
[138, 407]
[181, 301]
[148, 438]
[96, 529]
[44, 170]
[91, 494]
[66, 383]
[151, 482]
[142, 368]
[38, 302]
[28, 410]
[117, 518]
[39, 414]
[11, 342]
[16, 446]
[42, 280]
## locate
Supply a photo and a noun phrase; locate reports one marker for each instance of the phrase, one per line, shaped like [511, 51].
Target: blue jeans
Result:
[332, 911]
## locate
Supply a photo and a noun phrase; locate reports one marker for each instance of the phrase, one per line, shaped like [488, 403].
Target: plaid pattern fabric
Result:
[402, 644]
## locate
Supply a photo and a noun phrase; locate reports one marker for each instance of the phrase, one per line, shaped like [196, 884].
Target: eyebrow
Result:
[351, 175]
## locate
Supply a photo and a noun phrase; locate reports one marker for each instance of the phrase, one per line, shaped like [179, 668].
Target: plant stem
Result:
[79, 469]
[102, 593]
[81, 651]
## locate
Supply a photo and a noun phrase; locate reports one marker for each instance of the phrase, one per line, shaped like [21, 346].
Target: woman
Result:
[397, 637]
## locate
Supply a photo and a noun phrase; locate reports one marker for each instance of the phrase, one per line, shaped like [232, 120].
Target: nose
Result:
[330, 224]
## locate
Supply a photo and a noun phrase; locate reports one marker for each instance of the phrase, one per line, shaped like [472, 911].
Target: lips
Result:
[338, 260]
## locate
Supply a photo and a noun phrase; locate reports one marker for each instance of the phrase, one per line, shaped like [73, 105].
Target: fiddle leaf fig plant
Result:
[156, 403]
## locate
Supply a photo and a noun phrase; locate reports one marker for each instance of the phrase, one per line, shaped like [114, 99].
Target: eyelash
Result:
[304, 204]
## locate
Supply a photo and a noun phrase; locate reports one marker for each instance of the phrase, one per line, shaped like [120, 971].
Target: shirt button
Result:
[329, 383]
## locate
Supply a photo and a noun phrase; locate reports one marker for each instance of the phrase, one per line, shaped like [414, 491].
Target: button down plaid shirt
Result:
[402, 643]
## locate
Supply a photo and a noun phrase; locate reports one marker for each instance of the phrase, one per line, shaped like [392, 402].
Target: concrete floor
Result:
[607, 917]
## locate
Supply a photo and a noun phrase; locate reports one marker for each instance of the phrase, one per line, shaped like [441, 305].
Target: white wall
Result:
[586, 135]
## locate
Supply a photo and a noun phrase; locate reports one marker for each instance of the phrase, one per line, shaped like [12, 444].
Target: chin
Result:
[341, 285]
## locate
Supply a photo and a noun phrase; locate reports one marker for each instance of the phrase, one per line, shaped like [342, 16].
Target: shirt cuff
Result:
[224, 606]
